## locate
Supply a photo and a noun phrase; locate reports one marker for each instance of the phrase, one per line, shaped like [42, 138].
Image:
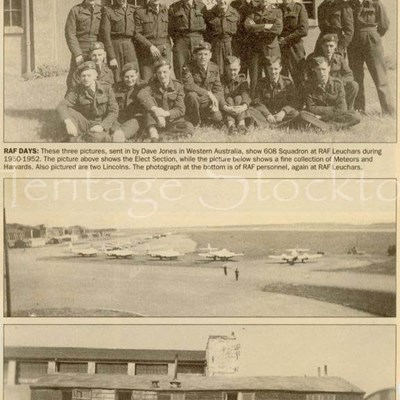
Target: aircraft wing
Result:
[310, 256]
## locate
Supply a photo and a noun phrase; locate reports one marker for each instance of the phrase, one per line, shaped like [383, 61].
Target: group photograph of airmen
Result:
[159, 72]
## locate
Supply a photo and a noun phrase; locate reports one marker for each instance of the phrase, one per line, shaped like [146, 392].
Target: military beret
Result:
[330, 37]
[96, 46]
[131, 66]
[229, 60]
[161, 62]
[202, 46]
[85, 66]
[269, 60]
[315, 61]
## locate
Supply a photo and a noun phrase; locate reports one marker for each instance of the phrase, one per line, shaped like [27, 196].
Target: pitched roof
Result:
[200, 383]
[88, 354]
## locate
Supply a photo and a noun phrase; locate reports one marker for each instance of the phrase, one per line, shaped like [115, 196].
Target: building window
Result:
[29, 372]
[5, 372]
[191, 369]
[13, 13]
[321, 396]
[112, 368]
[81, 394]
[311, 8]
[124, 395]
[68, 367]
[151, 369]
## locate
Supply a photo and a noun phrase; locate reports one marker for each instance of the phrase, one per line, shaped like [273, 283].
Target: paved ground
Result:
[51, 277]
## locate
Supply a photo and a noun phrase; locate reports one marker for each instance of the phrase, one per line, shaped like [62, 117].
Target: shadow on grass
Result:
[378, 303]
[48, 128]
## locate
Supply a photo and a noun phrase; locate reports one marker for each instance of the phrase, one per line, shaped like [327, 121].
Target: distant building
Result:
[123, 387]
[383, 394]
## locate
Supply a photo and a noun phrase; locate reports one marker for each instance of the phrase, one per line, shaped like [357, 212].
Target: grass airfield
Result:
[51, 281]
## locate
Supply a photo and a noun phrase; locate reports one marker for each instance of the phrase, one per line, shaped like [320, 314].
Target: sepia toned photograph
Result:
[71, 362]
[116, 71]
[200, 248]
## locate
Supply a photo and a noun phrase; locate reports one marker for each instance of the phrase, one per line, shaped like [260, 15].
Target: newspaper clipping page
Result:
[200, 199]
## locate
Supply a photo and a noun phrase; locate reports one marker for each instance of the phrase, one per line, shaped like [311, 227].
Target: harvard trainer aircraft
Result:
[88, 252]
[296, 256]
[219, 255]
[118, 252]
[164, 255]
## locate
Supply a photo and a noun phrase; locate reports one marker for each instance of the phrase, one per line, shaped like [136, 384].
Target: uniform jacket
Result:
[370, 14]
[106, 76]
[100, 107]
[127, 99]
[327, 101]
[221, 25]
[295, 22]
[238, 87]
[337, 17]
[171, 99]
[151, 28]
[116, 23]
[195, 79]
[271, 99]
[254, 24]
[339, 67]
[244, 9]
[179, 22]
[82, 28]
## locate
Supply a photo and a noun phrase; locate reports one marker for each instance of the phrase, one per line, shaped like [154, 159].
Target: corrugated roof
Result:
[201, 383]
[88, 354]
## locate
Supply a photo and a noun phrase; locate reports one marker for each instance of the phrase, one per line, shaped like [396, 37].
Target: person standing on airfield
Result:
[81, 29]
[152, 36]
[237, 274]
[335, 16]
[295, 27]
[222, 24]
[371, 23]
[264, 25]
[117, 31]
[187, 25]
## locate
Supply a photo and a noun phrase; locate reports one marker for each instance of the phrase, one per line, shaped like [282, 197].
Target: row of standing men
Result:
[250, 29]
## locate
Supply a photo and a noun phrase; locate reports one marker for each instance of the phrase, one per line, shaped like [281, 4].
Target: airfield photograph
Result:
[202, 252]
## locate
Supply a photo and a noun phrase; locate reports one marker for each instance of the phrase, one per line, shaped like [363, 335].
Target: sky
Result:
[362, 354]
[114, 203]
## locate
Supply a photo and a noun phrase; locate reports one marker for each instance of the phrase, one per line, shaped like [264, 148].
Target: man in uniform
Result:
[89, 110]
[371, 23]
[264, 25]
[335, 16]
[152, 36]
[326, 100]
[237, 96]
[164, 101]
[117, 31]
[241, 43]
[186, 24]
[295, 27]
[131, 112]
[99, 57]
[203, 88]
[222, 24]
[339, 68]
[276, 97]
[81, 29]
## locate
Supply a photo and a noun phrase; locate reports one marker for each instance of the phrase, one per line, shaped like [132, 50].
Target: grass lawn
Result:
[378, 303]
[29, 116]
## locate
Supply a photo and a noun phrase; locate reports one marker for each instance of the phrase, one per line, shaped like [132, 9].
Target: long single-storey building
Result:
[124, 387]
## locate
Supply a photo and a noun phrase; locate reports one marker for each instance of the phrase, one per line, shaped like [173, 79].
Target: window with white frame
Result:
[81, 394]
[321, 396]
[13, 13]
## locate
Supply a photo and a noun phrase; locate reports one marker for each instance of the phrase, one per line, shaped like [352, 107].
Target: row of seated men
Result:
[251, 30]
[96, 110]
